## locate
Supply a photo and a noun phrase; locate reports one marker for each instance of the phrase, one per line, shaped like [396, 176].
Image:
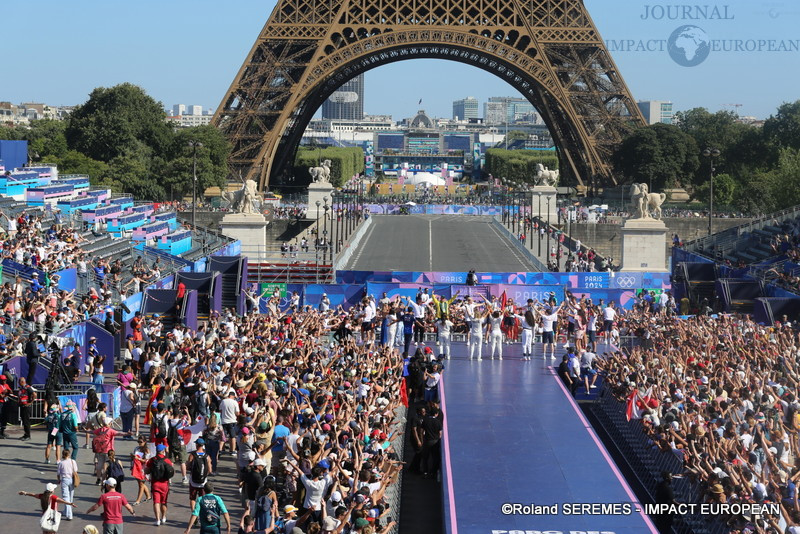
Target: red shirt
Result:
[112, 507]
[181, 290]
[106, 441]
[4, 390]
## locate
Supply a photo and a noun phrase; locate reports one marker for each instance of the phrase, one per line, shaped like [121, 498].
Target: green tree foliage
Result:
[724, 190]
[518, 165]
[116, 121]
[345, 163]
[660, 154]
[131, 169]
[212, 161]
[74, 162]
[783, 128]
[44, 137]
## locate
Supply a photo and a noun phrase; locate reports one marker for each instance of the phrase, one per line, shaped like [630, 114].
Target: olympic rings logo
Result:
[626, 282]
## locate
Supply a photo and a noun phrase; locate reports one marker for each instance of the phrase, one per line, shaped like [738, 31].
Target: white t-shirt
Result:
[315, 490]
[609, 313]
[444, 327]
[548, 321]
[475, 327]
[433, 380]
[496, 322]
[228, 410]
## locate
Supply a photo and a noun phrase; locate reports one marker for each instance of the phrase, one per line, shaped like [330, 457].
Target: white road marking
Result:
[430, 245]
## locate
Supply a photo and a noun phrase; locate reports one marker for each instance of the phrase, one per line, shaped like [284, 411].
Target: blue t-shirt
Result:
[278, 437]
[408, 323]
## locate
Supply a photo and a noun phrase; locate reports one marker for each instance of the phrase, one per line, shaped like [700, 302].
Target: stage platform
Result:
[513, 434]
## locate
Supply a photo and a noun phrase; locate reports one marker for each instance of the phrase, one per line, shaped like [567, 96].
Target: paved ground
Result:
[22, 467]
[436, 243]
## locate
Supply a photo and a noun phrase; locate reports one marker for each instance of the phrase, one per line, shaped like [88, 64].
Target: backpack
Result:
[99, 441]
[115, 471]
[174, 439]
[161, 471]
[281, 388]
[161, 427]
[52, 421]
[199, 465]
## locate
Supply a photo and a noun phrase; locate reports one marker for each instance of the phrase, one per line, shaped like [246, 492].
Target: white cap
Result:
[336, 496]
[111, 482]
[259, 462]
[50, 487]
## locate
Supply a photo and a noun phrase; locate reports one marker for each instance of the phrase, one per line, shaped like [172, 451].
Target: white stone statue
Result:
[545, 176]
[647, 205]
[654, 201]
[321, 174]
[243, 200]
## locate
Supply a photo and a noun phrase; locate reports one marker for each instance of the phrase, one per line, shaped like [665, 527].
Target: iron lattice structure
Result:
[549, 50]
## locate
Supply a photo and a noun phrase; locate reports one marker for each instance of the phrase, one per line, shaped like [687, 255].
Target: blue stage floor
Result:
[514, 435]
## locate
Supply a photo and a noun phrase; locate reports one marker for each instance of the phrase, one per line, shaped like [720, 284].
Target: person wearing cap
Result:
[289, 517]
[209, 510]
[54, 437]
[252, 480]
[159, 488]
[316, 486]
[324, 303]
[112, 502]
[48, 500]
[199, 467]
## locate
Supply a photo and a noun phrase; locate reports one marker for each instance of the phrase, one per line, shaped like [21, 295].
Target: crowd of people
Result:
[307, 418]
[721, 394]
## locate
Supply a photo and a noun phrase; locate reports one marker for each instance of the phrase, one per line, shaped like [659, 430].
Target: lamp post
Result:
[711, 153]
[539, 217]
[194, 145]
[316, 231]
[548, 226]
[325, 231]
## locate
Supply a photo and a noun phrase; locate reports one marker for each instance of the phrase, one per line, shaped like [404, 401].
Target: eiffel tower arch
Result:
[549, 50]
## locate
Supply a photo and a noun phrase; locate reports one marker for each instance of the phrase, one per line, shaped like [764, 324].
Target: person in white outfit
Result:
[528, 323]
[548, 335]
[476, 334]
[495, 334]
[444, 326]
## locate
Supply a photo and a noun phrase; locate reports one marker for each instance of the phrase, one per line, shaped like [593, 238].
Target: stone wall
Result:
[606, 239]
[278, 231]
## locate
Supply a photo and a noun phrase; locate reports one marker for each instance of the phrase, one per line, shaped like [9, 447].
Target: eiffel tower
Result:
[549, 50]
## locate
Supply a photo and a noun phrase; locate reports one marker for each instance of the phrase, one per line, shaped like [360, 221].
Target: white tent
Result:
[426, 178]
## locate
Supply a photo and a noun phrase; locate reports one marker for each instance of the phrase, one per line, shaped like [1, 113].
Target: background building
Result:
[347, 102]
[508, 109]
[466, 108]
[656, 111]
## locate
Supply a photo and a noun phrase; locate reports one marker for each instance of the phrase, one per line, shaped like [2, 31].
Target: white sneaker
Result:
[158, 523]
[499, 357]
[164, 520]
[593, 386]
[479, 359]
[185, 481]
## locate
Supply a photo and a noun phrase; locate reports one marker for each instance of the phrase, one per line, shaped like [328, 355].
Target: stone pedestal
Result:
[317, 191]
[643, 246]
[249, 228]
[539, 198]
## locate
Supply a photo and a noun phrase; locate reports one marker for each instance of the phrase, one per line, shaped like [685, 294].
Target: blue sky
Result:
[184, 51]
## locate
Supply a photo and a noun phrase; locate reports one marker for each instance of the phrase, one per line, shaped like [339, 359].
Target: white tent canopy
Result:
[425, 177]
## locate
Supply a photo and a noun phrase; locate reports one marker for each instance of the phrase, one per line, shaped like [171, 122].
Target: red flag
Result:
[637, 403]
[151, 405]
[404, 393]
[503, 300]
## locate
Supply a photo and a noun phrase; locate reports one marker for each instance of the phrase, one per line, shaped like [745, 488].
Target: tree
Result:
[212, 161]
[115, 121]
[518, 165]
[721, 130]
[724, 189]
[660, 154]
[783, 128]
[131, 170]
[44, 137]
[74, 162]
